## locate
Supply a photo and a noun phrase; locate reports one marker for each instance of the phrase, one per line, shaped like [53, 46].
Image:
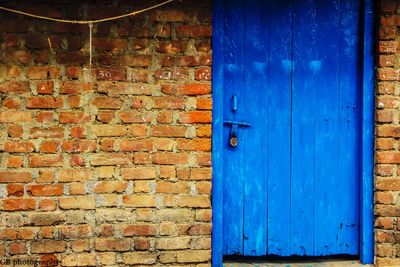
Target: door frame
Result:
[367, 146]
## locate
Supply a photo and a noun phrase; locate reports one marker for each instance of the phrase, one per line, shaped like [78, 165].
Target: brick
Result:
[189, 256]
[173, 187]
[113, 244]
[41, 102]
[107, 258]
[194, 144]
[142, 244]
[204, 215]
[74, 101]
[12, 103]
[109, 130]
[203, 159]
[43, 73]
[46, 176]
[75, 87]
[193, 201]
[73, 72]
[384, 197]
[15, 131]
[45, 218]
[110, 159]
[78, 132]
[82, 259]
[17, 249]
[105, 116]
[48, 246]
[168, 16]
[168, 102]
[79, 231]
[15, 116]
[168, 131]
[200, 229]
[139, 230]
[388, 6]
[175, 215]
[78, 202]
[168, 158]
[49, 146]
[189, 89]
[75, 175]
[388, 46]
[384, 223]
[388, 184]
[73, 117]
[18, 56]
[171, 47]
[193, 31]
[110, 187]
[195, 117]
[21, 204]
[77, 160]
[15, 190]
[136, 145]
[45, 116]
[15, 161]
[388, 157]
[107, 145]
[145, 258]
[165, 117]
[391, 20]
[15, 177]
[110, 74]
[107, 103]
[19, 147]
[79, 146]
[139, 201]
[173, 243]
[389, 74]
[47, 205]
[136, 117]
[50, 132]
[45, 190]
[46, 161]
[137, 60]
[138, 173]
[14, 87]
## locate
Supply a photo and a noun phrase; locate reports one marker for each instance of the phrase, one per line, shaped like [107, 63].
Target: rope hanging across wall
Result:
[90, 23]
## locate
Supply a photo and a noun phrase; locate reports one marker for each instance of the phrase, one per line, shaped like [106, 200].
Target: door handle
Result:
[233, 139]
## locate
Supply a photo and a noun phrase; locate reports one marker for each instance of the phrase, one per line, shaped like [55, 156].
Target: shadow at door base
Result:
[270, 261]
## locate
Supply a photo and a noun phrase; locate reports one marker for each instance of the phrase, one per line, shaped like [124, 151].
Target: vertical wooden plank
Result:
[279, 126]
[217, 136]
[367, 186]
[328, 184]
[349, 130]
[303, 125]
[233, 157]
[256, 101]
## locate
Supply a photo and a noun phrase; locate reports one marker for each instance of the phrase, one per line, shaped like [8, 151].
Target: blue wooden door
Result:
[291, 159]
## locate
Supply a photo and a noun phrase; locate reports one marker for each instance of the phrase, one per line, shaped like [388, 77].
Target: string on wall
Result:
[90, 23]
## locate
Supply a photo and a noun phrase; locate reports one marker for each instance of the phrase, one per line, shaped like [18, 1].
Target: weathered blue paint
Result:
[367, 185]
[292, 70]
[279, 130]
[217, 130]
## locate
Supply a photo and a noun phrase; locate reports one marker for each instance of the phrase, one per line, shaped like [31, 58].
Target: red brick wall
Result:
[387, 168]
[109, 165]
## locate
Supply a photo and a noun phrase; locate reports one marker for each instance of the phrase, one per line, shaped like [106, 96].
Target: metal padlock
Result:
[233, 141]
